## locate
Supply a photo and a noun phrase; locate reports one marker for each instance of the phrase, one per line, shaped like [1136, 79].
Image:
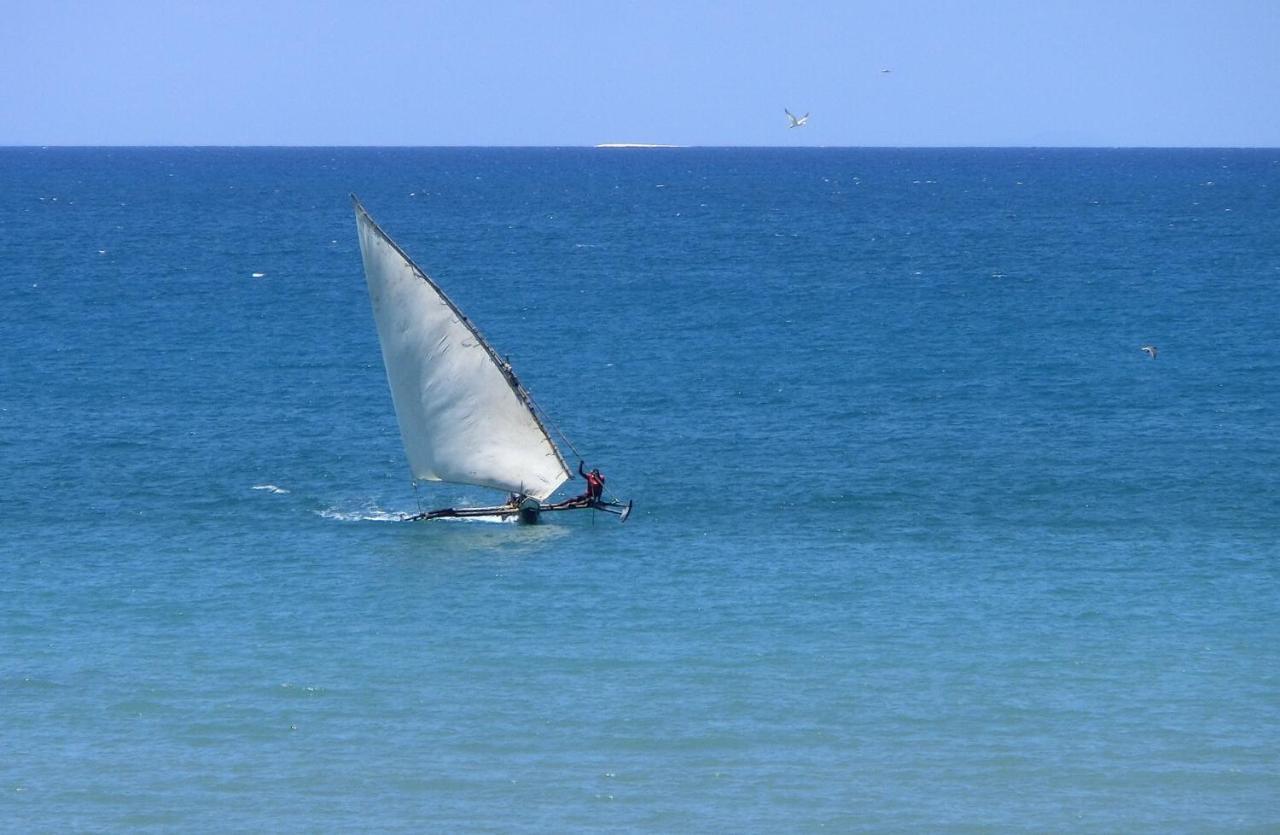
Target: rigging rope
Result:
[555, 428]
[560, 432]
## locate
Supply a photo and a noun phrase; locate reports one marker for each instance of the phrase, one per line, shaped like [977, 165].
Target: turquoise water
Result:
[923, 541]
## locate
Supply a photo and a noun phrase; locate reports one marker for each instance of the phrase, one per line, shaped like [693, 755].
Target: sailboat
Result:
[464, 416]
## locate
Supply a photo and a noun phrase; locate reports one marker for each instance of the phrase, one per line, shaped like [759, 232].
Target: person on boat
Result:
[595, 484]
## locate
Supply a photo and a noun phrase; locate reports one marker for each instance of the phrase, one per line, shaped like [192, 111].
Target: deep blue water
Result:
[923, 540]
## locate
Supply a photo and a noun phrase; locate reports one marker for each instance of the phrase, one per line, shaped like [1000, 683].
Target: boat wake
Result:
[483, 520]
[370, 514]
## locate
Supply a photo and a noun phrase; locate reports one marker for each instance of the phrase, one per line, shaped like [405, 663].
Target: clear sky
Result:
[687, 72]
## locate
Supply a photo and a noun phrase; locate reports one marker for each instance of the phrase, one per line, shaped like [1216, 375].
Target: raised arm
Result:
[581, 471]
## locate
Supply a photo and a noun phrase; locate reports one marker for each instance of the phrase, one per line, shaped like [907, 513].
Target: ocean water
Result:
[922, 540]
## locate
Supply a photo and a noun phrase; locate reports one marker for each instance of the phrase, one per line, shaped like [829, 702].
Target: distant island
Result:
[633, 145]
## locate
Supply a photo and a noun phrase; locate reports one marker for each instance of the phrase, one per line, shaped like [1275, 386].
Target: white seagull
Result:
[1149, 350]
[796, 122]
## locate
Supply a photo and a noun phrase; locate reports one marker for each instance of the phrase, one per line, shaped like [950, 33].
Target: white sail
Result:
[463, 416]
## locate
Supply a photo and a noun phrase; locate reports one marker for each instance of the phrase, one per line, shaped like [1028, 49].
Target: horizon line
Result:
[657, 147]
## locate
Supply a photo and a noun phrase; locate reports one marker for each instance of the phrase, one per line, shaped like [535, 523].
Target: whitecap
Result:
[258, 275]
[270, 487]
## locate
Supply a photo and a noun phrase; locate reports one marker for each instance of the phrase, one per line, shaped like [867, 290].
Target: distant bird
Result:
[883, 71]
[1149, 350]
[796, 122]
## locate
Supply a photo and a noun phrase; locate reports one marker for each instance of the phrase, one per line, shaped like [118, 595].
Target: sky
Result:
[554, 72]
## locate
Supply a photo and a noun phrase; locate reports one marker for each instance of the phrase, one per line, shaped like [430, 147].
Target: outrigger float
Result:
[464, 416]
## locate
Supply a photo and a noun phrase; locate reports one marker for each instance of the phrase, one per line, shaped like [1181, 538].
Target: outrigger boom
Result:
[526, 509]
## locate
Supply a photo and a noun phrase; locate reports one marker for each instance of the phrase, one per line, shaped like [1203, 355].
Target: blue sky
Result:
[368, 72]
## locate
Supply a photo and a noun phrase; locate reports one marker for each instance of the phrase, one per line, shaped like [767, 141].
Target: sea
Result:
[923, 540]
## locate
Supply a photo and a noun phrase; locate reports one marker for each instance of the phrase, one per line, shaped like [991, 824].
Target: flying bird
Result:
[796, 122]
[1149, 350]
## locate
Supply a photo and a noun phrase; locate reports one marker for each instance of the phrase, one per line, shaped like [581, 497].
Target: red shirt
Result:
[595, 484]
